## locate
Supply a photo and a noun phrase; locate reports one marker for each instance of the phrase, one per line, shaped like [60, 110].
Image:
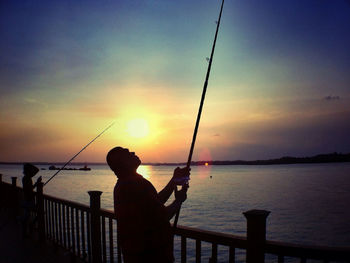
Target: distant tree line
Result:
[321, 158]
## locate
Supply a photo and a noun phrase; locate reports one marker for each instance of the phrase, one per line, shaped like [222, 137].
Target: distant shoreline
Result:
[321, 158]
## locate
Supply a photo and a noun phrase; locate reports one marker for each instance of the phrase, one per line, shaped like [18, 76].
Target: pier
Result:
[71, 232]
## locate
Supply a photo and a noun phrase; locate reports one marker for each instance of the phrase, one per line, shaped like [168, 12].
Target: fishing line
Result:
[78, 153]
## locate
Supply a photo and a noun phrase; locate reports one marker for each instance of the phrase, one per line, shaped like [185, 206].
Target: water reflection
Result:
[145, 171]
[204, 171]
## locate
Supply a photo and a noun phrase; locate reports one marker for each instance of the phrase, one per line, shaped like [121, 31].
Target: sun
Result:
[137, 128]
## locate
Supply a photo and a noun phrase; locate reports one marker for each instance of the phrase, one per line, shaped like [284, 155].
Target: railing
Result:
[322, 254]
[90, 233]
[215, 239]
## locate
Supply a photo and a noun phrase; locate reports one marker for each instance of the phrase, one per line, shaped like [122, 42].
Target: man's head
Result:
[122, 162]
[30, 170]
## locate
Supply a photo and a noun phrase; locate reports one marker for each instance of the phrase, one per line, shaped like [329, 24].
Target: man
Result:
[144, 231]
[29, 171]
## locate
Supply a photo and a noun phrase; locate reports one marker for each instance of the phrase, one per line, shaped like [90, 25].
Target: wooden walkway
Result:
[14, 248]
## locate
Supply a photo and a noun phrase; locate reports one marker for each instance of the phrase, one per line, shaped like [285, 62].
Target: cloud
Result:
[330, 98]
[35, 102]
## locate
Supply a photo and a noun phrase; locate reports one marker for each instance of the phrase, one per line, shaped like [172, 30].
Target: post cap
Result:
[256, 213]
[95, 193]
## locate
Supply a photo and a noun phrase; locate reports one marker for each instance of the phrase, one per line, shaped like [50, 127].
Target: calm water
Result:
[309, 203]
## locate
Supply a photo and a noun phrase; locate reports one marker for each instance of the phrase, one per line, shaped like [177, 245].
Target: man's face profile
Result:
[122, 160]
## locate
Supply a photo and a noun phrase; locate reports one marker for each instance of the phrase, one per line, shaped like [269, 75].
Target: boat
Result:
[85, 168]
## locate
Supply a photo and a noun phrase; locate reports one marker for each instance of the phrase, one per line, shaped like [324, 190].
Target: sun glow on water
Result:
[145, 171]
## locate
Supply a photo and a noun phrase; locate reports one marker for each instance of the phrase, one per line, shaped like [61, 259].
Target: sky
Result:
[279, 84]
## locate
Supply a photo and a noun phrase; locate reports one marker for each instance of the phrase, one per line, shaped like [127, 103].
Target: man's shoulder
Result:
[138, 183]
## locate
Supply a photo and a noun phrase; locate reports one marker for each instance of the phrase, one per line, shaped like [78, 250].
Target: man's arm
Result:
[180, 176]
[37, 182]
[164, 194]
[180, 197]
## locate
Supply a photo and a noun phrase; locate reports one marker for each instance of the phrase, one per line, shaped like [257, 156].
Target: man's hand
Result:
[181, 195]
[181, 175]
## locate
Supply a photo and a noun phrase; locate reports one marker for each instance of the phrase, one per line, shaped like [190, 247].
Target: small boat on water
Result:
[85, 168]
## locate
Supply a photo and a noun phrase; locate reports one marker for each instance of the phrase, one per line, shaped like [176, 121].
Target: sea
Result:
[309, 203]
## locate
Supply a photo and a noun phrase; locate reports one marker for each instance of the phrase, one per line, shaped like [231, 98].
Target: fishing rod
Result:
[185, 186]
[78, 153]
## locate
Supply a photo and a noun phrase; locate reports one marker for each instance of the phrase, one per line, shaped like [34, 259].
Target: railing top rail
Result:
[307, 251]
[107, 213]
[8, 184]
[211, 236]
[67, 202]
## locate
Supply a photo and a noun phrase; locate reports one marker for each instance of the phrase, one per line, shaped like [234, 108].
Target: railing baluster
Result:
[214, 252]
[53, 221]
[77, 234]
[72, 229]
[83, 234]
[60, 223]
[56, 224]
[232, 255]
[198, 251]
[88, 235]
[64, 219]
[46, 218]
[110, 230]
[183, 249]
[52, 226]
[48, 214]
[280, 259]
[119, 252]
[103, 222]
[68, 228]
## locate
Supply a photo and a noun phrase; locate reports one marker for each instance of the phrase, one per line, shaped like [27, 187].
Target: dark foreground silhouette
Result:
[29, 204]
[144, 230]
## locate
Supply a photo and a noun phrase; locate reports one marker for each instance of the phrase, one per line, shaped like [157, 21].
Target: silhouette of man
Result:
[29, 171]
[144, 231]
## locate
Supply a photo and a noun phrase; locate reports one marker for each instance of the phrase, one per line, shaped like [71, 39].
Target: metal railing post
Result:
[14, 181]
[95, 226]
[15, 199]
[40, 206]
[1, 193]
[256, 235]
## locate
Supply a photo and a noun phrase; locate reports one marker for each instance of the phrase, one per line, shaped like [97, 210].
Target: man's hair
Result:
[114, 159]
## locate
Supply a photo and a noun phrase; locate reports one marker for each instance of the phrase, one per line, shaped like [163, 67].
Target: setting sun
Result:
[138, 128]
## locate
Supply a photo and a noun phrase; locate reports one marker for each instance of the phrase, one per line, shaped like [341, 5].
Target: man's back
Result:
[28, 188]
[143, 227]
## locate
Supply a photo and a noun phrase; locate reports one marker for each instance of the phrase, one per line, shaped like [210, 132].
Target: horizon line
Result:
[192, 162]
